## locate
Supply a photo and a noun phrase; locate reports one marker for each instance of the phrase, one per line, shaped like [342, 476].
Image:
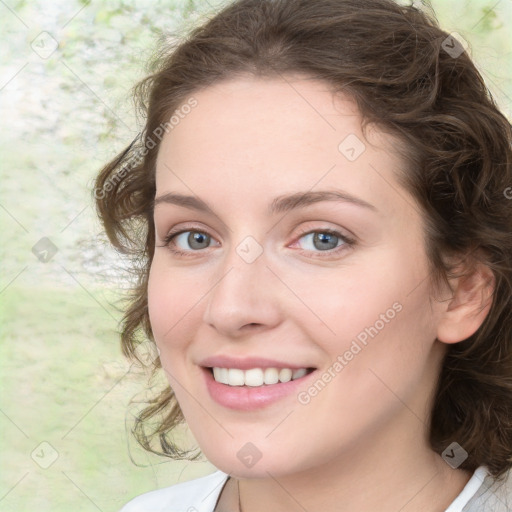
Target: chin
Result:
[237, 461]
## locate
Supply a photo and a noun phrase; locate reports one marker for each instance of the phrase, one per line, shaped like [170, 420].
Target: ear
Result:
[468, 307]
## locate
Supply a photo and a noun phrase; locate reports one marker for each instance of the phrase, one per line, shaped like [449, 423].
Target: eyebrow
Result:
[280, 204]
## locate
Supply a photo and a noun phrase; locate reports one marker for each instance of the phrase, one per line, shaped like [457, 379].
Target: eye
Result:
[327, 241]
[196, 240]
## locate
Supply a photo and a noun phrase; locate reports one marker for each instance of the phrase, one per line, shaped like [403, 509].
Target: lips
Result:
[247, 363]
[254, 395]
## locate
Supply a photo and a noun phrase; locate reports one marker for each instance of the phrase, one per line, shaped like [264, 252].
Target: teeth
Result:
[236, 377]
[285, 374]
[297, 374]
[271, 376]
[256, 376]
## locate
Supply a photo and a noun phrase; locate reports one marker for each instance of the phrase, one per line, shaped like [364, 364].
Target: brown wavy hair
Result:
[393, 61]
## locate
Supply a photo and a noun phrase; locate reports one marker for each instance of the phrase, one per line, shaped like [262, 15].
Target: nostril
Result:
[251, 326]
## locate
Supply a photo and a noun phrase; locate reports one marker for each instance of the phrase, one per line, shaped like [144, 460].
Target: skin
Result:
[361, 443]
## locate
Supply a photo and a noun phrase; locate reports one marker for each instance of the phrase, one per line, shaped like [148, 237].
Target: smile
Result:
[256, 377]
[254, 388]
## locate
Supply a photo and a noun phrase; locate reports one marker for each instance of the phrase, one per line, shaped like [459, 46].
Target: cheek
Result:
[158, 302]
[382, 302]
[347, 299]
[170, 301]
[390, 351]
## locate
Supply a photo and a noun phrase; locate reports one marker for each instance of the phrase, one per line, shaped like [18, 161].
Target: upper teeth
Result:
[256, 376]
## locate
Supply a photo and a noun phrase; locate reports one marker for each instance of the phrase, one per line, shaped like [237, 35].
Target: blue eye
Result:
[323, 240]
[326, 241]
[195, 239]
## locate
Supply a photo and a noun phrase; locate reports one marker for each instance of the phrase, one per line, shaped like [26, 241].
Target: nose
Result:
[244, 297]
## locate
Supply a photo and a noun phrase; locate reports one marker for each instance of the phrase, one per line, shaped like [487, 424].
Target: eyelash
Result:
[347, 242]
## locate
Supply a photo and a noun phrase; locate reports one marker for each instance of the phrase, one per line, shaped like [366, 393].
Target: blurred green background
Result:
[66, 70]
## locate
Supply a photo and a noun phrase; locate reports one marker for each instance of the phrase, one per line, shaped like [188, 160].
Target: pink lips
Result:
[247, 398]
[247, 363]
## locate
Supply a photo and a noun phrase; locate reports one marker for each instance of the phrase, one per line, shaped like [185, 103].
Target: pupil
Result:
[197, 238]
[325, 239]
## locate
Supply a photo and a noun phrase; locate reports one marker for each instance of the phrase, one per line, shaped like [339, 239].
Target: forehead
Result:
[249, 113]
[272, 136]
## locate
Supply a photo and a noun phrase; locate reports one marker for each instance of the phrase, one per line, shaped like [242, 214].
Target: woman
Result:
[318, 206]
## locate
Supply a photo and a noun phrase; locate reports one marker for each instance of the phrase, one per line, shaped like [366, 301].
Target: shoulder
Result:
[493, 495]
[198, 495]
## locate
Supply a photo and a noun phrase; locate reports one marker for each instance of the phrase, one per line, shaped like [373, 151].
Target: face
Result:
[246, 276]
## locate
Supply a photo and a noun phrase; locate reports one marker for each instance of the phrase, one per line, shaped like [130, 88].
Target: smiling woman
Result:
[327, 262]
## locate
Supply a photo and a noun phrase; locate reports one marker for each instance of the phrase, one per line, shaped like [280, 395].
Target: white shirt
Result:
[480, 494]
